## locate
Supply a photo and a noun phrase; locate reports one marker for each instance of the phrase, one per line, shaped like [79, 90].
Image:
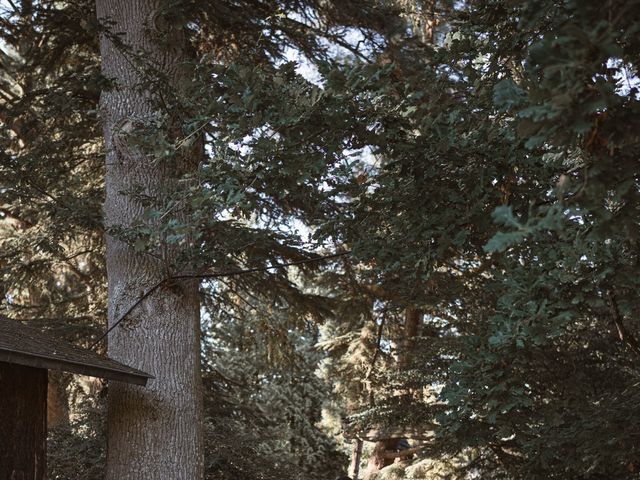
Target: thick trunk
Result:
[155, 432]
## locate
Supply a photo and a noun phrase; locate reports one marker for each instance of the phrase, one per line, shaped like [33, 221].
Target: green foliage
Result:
[51, 268]
[264, 394]
[78, 449]
[504, 205]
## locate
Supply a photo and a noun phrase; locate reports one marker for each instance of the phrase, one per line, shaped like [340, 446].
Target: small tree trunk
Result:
[356, 458]
[154, 433]
[57, 401]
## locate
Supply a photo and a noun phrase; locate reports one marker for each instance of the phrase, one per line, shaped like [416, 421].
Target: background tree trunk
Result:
[356, 457]
[57, 401]
[412, 321]
[153, 432]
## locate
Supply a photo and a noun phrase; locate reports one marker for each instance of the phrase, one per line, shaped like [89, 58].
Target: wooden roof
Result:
[25, 345]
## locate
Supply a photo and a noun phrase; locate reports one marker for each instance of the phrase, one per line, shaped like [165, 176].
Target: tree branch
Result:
[232, 273]
[624, 335]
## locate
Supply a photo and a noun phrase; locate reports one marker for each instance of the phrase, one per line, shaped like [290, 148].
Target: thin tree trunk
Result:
[412, 320]
[384, 451]
[154, 433]
[356, 458]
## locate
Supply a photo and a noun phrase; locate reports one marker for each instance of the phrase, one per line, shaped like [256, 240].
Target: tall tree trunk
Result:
[154, 433]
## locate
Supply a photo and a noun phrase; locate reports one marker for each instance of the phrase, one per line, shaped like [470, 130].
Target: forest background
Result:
[475, 163]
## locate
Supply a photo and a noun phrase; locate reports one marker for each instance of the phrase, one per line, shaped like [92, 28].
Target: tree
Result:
[263, 390]
[155, 432]
[501, 212]
[52, 269]
[168, 204]
[61, 79]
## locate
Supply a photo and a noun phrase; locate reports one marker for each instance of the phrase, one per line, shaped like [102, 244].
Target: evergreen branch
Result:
[326, 34]
[206, 275]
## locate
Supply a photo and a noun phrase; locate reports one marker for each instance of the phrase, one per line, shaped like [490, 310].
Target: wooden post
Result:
[23, 422]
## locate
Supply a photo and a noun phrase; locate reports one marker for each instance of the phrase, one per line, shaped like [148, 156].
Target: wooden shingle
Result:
[24, 345]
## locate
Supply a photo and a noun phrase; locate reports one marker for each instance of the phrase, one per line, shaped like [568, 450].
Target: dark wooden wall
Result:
[23, 422]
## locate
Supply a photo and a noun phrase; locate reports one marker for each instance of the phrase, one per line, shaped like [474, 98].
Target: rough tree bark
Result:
[155, 432]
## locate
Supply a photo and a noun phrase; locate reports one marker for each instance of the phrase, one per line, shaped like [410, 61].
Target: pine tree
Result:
[154, 432]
